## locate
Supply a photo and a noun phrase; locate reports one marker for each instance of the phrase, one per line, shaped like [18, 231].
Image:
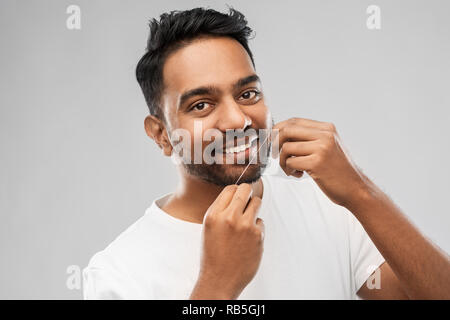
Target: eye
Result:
[251, 94]
[200, 106]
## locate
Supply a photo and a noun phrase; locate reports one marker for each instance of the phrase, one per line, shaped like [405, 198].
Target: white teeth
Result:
[238, 148]
[241, 147]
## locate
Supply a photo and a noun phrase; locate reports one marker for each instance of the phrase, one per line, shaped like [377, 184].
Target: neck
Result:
[193, 196]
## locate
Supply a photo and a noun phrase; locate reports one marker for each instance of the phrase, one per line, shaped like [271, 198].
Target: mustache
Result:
[180, 138]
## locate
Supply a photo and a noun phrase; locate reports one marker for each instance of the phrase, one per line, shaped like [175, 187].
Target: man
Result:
[229, 231]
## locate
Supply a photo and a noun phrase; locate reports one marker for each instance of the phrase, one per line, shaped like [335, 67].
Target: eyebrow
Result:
[211, 89]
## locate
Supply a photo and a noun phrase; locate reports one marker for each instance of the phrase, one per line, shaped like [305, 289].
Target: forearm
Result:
[422, 268]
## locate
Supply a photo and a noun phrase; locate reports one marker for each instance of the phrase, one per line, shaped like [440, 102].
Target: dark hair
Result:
[176, 30]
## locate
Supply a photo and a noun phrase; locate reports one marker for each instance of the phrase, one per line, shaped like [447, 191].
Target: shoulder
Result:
[132, 242]
[111, 272]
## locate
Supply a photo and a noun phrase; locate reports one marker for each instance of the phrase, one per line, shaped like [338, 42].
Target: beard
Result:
[226, 174]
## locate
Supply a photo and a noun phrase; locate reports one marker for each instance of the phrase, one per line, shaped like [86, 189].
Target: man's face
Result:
[231, 98]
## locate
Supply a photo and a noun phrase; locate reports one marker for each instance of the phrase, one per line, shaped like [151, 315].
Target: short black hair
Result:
[178, 29]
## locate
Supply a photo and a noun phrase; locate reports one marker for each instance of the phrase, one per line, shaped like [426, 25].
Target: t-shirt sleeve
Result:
[103, 282]
[365, 257]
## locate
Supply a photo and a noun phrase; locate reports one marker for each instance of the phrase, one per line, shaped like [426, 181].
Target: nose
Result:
[232, 117]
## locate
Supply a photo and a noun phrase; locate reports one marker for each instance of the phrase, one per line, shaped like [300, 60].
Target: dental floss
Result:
[252, 159]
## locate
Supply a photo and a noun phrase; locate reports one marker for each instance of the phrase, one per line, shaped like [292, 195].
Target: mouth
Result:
[241, 146]
[243, 151]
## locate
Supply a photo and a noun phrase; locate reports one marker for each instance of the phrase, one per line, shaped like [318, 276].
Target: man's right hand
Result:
[232, 244]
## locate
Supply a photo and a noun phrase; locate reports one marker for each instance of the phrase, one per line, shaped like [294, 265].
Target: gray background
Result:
[77, 168]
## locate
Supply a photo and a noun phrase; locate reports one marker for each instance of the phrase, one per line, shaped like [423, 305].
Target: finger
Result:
[262, 227]
[296, 133]
[251, 212]
[298, 148]
[290, 171]
[224, 198]
[278, 140]
[297, 173]
[320, 125]
[302, 163]
[241, 198]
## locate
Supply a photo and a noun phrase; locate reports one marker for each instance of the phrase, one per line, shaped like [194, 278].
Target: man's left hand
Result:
[315, 147]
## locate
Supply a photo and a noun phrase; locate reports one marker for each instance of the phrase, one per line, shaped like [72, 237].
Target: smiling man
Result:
[230, 231]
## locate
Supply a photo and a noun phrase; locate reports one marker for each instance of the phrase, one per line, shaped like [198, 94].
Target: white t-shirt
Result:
[313, 249]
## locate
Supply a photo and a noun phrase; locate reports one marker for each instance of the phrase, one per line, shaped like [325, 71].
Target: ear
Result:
[156, 130]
